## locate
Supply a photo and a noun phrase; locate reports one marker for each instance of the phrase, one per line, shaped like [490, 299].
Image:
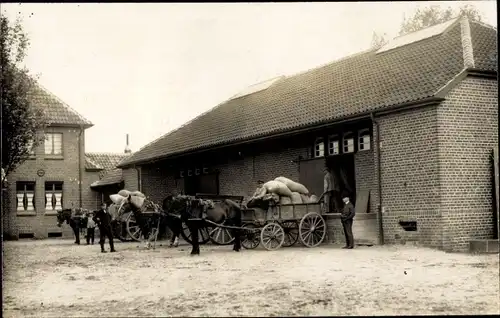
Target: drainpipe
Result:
[80, 164]
[139, 178]
[379, 182]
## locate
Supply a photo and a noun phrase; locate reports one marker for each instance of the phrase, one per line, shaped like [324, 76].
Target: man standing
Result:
[90, 229]
[347, 217]
[103, 220]
[328, 189]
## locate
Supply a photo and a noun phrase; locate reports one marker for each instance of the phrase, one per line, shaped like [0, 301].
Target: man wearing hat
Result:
[103, 220]
[347, 217]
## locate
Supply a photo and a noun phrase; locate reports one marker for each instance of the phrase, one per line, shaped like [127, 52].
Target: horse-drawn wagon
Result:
[284, 225]
[275, 226]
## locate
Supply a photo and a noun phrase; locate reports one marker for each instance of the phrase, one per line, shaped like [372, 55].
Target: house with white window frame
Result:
[53, 177]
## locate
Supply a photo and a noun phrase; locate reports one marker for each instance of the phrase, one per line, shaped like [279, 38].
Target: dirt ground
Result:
[57, 278]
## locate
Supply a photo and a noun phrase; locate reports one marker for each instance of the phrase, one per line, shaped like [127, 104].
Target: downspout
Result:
[139, 178]
[379, 182]
[80, 165]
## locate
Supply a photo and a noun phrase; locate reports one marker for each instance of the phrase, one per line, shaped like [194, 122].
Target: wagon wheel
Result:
[272, 236]
[250, 239]
[312, 229]
[133, 229]
[291, 229]
[203, 236]
[221, 236]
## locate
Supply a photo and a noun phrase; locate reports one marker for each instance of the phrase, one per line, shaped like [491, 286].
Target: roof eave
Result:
[290, 132]
[85, 126]
[105, 184]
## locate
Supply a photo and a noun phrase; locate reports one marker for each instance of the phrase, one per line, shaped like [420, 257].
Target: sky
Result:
[145, 69]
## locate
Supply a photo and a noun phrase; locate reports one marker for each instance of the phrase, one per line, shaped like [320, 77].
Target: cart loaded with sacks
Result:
[284, 225]
[281, 213]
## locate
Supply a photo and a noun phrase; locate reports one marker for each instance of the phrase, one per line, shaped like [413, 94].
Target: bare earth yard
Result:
[56, 278]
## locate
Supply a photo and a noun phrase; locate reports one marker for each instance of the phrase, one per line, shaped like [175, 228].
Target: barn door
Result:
[311, 175]
[209, 184]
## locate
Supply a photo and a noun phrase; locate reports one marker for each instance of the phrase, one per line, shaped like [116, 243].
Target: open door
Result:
[311, 175]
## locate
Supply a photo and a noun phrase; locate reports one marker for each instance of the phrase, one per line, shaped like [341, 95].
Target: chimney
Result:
[127, 148]
[468, 53]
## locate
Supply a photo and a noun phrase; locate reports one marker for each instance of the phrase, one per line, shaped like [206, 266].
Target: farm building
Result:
[409, 126]
[59, 174]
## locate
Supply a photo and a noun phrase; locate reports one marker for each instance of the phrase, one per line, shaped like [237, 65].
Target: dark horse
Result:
[195, 213]
[146, 223]
[76, 222]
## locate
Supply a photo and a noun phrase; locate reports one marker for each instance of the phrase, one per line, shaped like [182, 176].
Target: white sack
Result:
[305, 198]
[116, 198]
[285, 200]
[124, 193]
[293, 186]
[277, 187]
[313, 199]
[138, 194]
[138, 202]
[296, 198]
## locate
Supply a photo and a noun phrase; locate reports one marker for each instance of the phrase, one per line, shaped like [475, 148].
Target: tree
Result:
[435, 15]
[427, 17]
[21, 120]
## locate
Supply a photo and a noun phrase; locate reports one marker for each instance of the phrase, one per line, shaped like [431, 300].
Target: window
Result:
[348, 143]
[364, 140]
[319, 148]
[333, 145]
[53, 196]
[53, 143]
[25, 196]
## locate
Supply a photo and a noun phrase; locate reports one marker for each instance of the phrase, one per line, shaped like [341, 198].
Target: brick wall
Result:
[468, 131]
[410, 175]
[63, 169]
[130, 179]
[240, 177]
[364, 165]
[90, 199]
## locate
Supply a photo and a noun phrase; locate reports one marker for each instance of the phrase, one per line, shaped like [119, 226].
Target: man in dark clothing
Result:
[347, 217]
[103, 220]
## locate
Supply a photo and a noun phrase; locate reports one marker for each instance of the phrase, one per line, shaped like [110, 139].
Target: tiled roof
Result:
[103, 160]
[358, 84]
[91, 165]
[56, 111]
[110, 177]
[484, 46]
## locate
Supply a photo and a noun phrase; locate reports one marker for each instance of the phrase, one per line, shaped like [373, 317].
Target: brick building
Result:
[410, 126]
[59, 174]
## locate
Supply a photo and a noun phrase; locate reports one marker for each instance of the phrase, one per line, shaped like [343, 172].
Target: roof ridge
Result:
[64, 104]
[457, 18]
[486, 25]
[331, 62]
[107, 153]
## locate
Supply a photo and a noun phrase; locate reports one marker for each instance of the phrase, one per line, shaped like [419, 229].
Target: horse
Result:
[167, 220]
[75, 221]
[195, 213]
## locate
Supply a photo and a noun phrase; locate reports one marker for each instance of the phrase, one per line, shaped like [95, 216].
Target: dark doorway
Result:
[343, 171]
[206, 184]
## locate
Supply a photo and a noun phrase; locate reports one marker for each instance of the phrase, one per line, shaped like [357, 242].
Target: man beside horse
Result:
[103, 220]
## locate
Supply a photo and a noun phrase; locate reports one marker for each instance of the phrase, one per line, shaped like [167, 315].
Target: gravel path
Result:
[53, 277]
